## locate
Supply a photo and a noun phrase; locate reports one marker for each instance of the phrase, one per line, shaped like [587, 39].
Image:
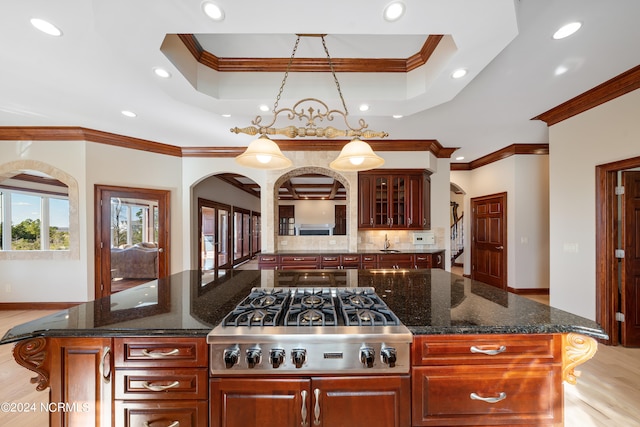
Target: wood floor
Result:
[607, 393]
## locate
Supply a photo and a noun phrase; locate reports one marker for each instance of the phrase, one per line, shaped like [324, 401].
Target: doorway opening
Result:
[132, 237]
[489, 239]
[616, 272]
[457, 232]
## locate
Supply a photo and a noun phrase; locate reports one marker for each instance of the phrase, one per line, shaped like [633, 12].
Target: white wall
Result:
[607, 133]
[33, 278]
[524, 179]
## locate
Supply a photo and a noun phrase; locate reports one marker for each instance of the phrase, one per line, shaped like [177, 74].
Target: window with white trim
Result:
[34, 214]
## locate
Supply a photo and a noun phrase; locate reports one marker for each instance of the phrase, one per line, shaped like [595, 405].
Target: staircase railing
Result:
[457, 238]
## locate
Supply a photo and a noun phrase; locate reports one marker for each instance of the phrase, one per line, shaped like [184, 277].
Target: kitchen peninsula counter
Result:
[140, 356]
[427, 301]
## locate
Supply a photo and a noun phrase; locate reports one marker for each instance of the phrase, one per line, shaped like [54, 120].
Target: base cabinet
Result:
[318, 401]
[80, 377]
[161, 381]
[487, 380]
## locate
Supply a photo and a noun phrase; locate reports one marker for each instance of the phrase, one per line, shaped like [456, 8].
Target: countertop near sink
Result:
[358, 252]
[427, 301]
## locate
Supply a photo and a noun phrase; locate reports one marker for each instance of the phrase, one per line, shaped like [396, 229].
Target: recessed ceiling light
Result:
[264, 108]
[561, 69]
[460, 158]
[567, 30]
[226, 115]
[363, 107]
[213, 11]
[46, 27]
[393, 11]
[128, 113]
[161, 72]
[397, 116]
[459, 73]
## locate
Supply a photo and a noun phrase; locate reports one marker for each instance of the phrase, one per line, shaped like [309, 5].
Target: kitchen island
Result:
[480, 355]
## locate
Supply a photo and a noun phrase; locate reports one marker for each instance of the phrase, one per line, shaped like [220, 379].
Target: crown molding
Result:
[59, 133]
[605, 92]
[343, 65]
[430, 145]
[511, 150]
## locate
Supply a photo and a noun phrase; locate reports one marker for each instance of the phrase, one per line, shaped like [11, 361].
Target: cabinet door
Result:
[361, 401]
[259, 402]
[365, 201]
[381, 201]
[493, 395]
[81, 378]
[415, 205]
[426, 202]
[399, 201]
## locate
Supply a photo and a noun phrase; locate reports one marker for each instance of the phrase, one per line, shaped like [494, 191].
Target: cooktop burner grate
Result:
[311, 307]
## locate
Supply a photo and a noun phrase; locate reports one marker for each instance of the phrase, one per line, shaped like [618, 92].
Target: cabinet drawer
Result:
[161, 384]
[350, 261]
[330, 261]
[299, 259]
[481, 349]
[493, 395]
[423, 261]
[183, 413]
[160, 352]
[267, 259]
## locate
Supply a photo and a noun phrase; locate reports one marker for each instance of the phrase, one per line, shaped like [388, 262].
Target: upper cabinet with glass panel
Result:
[34, 212]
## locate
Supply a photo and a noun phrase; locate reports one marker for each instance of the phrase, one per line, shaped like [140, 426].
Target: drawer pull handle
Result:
[173, 424]
[500, 397]
[105, 366]
[152, 387]
[316, 408]
[499, 350]
[159, 355]
[303, 411]
[298, 259]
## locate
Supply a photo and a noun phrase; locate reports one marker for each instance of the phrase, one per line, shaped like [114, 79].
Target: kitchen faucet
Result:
[387, 243]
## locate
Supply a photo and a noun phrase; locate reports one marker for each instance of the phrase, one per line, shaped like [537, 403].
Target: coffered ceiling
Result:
[103, 63]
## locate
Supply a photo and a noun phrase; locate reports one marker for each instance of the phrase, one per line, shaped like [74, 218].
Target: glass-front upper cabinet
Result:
[394, 198]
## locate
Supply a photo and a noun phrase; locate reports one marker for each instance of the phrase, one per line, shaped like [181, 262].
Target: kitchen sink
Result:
[390, 251]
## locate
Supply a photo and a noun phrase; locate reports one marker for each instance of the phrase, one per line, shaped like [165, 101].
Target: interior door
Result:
[630, 283]
[489, 240]
[255, 233]
[132, 237]
[213, 229]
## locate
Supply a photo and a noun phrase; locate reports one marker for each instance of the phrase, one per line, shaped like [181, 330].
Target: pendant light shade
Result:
[357, 155]
[263, 153]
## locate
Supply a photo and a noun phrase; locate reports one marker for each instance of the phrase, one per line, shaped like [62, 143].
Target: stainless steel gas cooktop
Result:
[310, 330]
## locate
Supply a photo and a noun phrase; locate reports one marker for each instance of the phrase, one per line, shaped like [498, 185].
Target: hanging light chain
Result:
[335, 78]
[286, 74]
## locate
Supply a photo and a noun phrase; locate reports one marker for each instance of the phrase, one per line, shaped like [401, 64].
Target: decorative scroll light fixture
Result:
[263, 153]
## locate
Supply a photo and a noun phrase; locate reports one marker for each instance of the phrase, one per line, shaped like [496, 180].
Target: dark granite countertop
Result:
[426, 301]
[358, 252]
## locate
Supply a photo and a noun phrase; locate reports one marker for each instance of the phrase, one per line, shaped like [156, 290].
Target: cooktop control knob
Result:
[389, 356]
[298, 355]
[276, 357]
[367, 356]
[254, 355]
[231, 357]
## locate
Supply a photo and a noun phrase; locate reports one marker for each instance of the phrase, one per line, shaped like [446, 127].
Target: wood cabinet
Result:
[396, 261]
[394, 198]
[160, 380]
[430, 260]
[478, 380]
[299, 262]
[380, 401]
[341, 261]
[80, 377]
